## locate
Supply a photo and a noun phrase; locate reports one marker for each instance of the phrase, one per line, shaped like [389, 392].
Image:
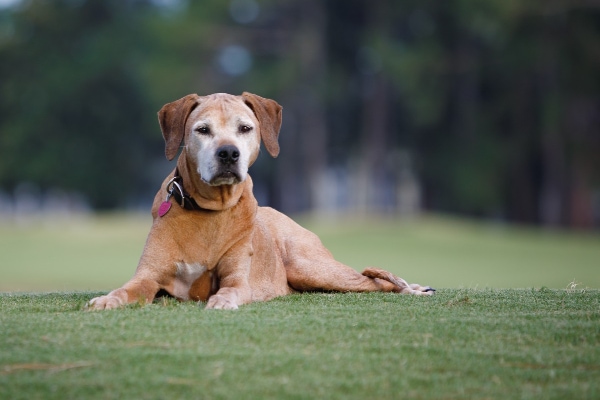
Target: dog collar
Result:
[175, 189]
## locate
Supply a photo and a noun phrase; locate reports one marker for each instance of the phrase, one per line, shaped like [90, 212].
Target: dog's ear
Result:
[268, 113]
[172, 118]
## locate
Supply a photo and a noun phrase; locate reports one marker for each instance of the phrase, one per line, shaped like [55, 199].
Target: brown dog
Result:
[209, 239]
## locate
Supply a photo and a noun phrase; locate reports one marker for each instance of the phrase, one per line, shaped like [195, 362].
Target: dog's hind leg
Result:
[309, 266]
[404, 287]
[335, 276]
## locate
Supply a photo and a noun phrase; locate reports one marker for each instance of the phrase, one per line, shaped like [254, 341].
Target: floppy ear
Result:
[268, 113]
[172, 118]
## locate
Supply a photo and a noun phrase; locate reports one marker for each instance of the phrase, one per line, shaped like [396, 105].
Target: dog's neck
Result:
[216, 198]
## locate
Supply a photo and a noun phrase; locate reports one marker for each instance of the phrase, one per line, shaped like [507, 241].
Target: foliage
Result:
[72, 107]
[495, 101]
[459, 343]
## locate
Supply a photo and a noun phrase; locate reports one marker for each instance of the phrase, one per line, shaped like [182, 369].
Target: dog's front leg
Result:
[234, 291]
[234, 282]
[155, 270]
[142, 290]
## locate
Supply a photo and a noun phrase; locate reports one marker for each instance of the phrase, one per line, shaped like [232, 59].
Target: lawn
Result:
[101, 253]
[516, 315]
[458, 344]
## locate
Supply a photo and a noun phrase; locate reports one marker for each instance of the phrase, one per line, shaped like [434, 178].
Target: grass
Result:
[517, 315]
[454, 253]
[461, 343]
[101, 253]
[71, 254]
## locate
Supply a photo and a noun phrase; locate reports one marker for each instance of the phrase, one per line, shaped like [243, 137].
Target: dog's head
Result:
[222, 133]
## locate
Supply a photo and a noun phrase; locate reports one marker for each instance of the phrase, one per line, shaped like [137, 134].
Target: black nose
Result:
[228, 154]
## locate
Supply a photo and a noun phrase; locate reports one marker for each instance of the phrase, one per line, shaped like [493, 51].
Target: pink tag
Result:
[164, 208]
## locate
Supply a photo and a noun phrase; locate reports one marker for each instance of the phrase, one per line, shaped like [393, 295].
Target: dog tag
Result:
[164, 208]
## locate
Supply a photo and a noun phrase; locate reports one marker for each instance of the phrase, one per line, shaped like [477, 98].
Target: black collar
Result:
[175, 189]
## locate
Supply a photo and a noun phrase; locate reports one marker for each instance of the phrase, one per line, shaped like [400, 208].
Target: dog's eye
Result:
[245, 128]
[204, 130]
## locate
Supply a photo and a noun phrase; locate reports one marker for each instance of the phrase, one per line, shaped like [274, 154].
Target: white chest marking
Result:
[186, 275]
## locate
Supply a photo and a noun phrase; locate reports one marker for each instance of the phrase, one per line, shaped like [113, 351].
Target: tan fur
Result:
[231, 252]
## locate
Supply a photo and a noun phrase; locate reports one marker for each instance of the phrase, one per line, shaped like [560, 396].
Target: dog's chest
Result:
[191, 282]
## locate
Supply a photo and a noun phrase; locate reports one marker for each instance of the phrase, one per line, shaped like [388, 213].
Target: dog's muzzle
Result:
[228, 170]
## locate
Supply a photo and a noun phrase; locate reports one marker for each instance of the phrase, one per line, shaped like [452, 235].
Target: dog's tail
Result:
[401, 284]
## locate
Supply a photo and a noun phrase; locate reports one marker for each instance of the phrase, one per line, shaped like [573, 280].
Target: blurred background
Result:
[488, 109]
[457, 141]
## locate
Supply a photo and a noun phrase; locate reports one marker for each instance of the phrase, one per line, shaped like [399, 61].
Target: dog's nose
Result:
[228, 154]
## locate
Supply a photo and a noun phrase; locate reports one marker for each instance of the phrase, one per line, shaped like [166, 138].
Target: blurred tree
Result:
[496, 102]
[491, 89]
[71, 108]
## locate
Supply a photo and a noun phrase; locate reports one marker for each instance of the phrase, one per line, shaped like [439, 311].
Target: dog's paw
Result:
[422, 290]
[220, 302]
[428, 291]
[107, 302]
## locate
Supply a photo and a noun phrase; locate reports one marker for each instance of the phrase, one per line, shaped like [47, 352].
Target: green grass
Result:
[71, 254]
[477, 338]
[454, 253]
[460, 343]
[101, 253]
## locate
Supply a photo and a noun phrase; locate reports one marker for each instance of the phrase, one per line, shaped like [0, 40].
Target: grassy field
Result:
[101, 253]
[477, 338]
[458, 344]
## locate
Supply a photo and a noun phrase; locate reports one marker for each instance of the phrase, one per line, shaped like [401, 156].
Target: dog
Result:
[210, 241]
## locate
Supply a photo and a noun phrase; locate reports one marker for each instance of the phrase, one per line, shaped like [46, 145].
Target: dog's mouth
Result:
[227, 177]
